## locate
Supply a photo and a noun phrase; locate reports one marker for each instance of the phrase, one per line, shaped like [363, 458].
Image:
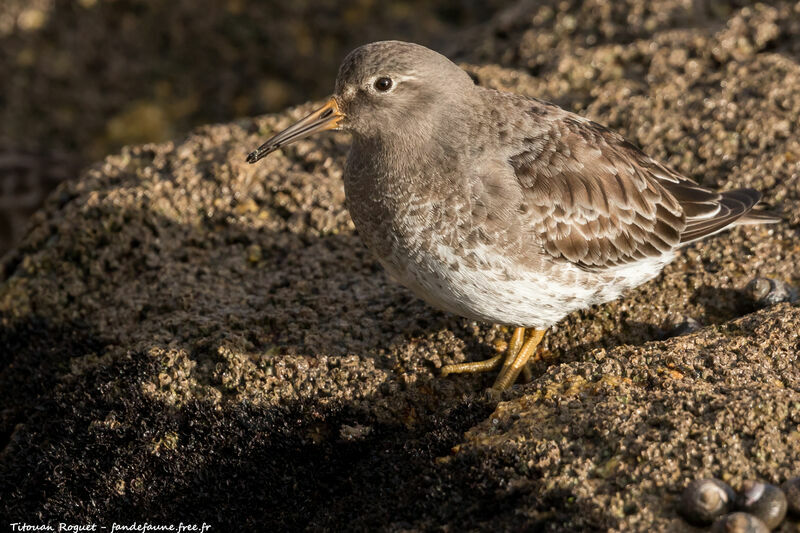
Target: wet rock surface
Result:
[188, 336]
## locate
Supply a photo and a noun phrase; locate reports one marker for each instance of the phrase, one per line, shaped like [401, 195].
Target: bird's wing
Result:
[597, 201]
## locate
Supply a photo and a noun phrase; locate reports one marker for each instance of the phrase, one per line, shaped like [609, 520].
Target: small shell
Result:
[792, 491]
[705, 500]
[690, 325]
[766, 502]
[739, 523]
[765, 291]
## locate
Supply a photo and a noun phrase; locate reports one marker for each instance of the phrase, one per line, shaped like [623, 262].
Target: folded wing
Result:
[597, 201]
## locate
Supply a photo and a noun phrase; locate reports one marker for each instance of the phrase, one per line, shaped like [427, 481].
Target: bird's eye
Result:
[383, 84]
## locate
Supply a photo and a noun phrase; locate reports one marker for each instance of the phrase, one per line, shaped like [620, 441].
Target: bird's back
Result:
[596, 200]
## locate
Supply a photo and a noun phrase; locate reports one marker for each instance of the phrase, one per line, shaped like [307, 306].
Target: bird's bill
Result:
[326, 117]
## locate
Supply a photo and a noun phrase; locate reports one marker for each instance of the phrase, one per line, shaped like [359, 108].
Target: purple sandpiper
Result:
[499, 207]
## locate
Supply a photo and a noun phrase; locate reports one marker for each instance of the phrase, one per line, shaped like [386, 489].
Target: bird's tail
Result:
[735, 209]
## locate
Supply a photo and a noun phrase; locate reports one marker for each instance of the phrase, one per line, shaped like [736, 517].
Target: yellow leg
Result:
[509, 374]
[484, 366]
[513, 348]
[527, 373]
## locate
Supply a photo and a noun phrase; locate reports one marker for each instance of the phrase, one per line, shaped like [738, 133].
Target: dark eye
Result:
[383, 84]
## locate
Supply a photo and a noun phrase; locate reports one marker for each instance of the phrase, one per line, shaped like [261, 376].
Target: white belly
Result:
[500, 292]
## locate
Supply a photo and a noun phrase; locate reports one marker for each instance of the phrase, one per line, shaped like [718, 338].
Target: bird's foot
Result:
[488, 364]
[519, 362]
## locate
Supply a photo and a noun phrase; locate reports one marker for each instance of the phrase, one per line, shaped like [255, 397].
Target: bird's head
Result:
[382, 88]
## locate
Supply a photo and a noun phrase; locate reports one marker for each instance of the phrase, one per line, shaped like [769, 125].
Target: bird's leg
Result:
[513, 348]
[527, 373]
[510, 372]
[484, 366]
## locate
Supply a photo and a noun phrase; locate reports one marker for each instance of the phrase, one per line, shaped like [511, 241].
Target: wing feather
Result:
[597, 201]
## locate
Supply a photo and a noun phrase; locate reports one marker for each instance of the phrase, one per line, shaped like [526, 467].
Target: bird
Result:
[499, 207]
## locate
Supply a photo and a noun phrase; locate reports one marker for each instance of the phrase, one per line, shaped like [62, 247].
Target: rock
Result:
[183, 334]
